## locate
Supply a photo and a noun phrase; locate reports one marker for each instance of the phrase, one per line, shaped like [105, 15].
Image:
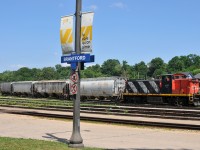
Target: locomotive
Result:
[172, 89]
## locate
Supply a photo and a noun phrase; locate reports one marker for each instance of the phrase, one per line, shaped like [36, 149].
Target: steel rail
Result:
[139, 112]
[107, 120]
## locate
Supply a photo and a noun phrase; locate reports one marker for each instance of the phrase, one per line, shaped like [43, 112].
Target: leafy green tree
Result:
[36, 74]
[190, 62]
[24, 74]
[62, 72]
[176, 64]
[196, 71]
[111, 67]
[155, 65]
[194, 62]
[126, 69]
[48, 73]
[92, 72]
[197, 61]
[7, 76]
[140, 70]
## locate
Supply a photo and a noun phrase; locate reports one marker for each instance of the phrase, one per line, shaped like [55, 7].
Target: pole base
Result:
[81, 145]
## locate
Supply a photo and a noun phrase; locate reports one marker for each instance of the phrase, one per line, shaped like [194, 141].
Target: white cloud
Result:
[93, 7]
[86, 64]
[119, 5]
[65, 65]
[89, 64]
[16, 66]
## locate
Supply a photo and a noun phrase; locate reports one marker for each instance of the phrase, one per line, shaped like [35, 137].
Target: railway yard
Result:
[104, 111]
[160, 120]
[145, 96]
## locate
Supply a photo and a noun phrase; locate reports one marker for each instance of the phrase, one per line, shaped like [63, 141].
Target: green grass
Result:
[45, 102]
[30, 144]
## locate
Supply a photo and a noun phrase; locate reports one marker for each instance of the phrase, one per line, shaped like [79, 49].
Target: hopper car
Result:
[105, 87]
[53, 88]
[22, 88]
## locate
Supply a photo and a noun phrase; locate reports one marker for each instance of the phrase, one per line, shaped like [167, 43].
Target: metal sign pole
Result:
[76, 139]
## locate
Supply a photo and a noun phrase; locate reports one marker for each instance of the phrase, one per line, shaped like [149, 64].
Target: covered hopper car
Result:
[106, 87]
[22, 88]
[5, 88]
[54, 88]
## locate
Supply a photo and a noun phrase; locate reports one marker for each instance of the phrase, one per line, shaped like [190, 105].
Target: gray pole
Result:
[76, 140]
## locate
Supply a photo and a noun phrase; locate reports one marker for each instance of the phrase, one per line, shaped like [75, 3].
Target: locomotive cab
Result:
[166, 84]
[183, 89]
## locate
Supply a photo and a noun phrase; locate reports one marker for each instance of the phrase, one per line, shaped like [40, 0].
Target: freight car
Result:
[106, 87]
[22, 88]
[5, 88]
[53, 88]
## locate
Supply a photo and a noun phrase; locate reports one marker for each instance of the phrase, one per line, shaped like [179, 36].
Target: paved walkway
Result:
[99, 135]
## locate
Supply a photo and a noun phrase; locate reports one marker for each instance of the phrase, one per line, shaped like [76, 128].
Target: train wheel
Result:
[196, 103]
[178, 102]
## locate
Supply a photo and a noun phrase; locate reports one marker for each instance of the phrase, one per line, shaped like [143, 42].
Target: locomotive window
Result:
[167, 78]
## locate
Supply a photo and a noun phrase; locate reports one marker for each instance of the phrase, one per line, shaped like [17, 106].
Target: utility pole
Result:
[76, 140]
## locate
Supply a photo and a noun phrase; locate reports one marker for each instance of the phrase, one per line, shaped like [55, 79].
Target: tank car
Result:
[55, 88]
[22, 88]
[101, 88]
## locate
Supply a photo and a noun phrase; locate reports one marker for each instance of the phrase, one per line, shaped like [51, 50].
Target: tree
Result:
[156, 64]
[7, 76]
[92, 72]
[140, 70]
[62, 72]
[23, 74]
[48, 73]
[176, 64]
[126, 69]
[111, 67]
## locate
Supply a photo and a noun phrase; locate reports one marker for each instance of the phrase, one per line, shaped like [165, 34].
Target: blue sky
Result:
[131, 30]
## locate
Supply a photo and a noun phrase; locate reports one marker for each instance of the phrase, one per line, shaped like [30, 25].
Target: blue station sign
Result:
[74, 58]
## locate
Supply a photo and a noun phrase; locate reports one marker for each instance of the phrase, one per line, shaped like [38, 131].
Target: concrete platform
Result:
[99, 135]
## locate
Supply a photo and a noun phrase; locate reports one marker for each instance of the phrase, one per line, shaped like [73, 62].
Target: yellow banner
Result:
[66, 34]
[86, 32]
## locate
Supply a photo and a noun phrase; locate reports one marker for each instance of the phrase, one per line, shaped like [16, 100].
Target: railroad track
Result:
[178, 114]
[107, 120]
[131, 111]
